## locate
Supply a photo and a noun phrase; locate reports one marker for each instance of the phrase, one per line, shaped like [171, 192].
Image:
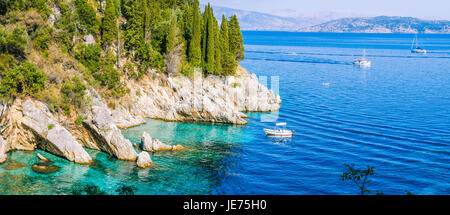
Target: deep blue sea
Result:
[394, 116]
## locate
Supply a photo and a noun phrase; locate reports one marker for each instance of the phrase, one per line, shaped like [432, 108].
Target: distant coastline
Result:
[341, 23]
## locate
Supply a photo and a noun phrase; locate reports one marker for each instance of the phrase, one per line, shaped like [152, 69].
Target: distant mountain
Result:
[381, 24]
[251, 20]
[291, 20]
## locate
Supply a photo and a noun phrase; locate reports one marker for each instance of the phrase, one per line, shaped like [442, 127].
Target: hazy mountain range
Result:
[291, 20]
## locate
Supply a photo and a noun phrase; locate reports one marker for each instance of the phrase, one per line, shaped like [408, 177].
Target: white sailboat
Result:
[363, 62]
[415, 48]
[280, 131]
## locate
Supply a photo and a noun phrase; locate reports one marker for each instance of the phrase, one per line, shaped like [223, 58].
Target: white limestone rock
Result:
[108, 136]
[147, 142]
[56, 139]
[143, 160]
[3, 156]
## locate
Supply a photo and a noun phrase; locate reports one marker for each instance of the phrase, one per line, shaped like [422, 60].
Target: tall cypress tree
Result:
[236, 40]
[210, 42]
[172, 35]
[228, 61]
[204, 36]
[195, 52]
[134, 34]
[218, 54]
[109, 28]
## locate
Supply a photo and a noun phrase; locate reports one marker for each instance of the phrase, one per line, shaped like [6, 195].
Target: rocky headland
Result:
[28, 124]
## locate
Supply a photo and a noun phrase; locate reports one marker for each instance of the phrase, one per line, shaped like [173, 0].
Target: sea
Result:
[393, 116]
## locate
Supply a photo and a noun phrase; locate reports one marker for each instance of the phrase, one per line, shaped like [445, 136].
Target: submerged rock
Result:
[54, 137]
[144, 160]
[3, 156]
[13, 165]
[108, 136]
[44, 169]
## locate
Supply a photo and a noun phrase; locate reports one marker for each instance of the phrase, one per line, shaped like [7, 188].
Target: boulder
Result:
[53, 137]
[3, 156]
[107, 135]
[147, 142]
[159, 146]
[144, 160]
[45, 169]
[154, 145]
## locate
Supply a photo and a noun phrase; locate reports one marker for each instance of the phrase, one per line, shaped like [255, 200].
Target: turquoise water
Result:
[393, 116]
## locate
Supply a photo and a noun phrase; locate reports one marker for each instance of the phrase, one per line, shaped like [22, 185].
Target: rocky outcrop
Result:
[123, 118]
[211, 99]
[12, 130]
[53, 137]
[108, 136]
[150, 145]
[147, 142]
[143, 160]
[3, 156]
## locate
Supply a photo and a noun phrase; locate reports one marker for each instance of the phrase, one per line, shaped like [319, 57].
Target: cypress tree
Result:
[210, 43]
[134, 34]
[195, 52]
[236, 40]
[218, 54]
[228, 61]
[172, 35]
[204, 35]
[109, 28]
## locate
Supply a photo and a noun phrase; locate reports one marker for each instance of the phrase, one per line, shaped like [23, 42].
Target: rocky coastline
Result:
[28, 124]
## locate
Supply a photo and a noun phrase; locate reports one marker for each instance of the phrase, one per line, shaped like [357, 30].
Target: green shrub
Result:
[73, 92]
[22, 5]
[89, 56]
[79, 120]
[66, 25]
[14, 42]
[24, 79]
[41, 39]
[51, 126]
[86, 16]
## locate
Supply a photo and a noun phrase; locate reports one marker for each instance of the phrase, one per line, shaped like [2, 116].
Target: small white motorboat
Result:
[362, 62]
[279, 131]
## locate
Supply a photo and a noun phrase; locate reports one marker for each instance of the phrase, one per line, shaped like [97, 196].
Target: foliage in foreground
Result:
[359, 177]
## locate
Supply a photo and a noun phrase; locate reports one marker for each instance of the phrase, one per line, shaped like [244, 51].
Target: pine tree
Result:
[228, 61]
[236, 40]
[195, 52]
[109, 28]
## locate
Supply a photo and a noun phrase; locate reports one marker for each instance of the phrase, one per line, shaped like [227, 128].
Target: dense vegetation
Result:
[56, 49]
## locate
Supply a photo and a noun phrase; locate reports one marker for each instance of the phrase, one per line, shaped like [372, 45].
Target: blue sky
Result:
[431, 9]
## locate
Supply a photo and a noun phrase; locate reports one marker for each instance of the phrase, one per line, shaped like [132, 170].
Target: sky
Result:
[429, 9]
